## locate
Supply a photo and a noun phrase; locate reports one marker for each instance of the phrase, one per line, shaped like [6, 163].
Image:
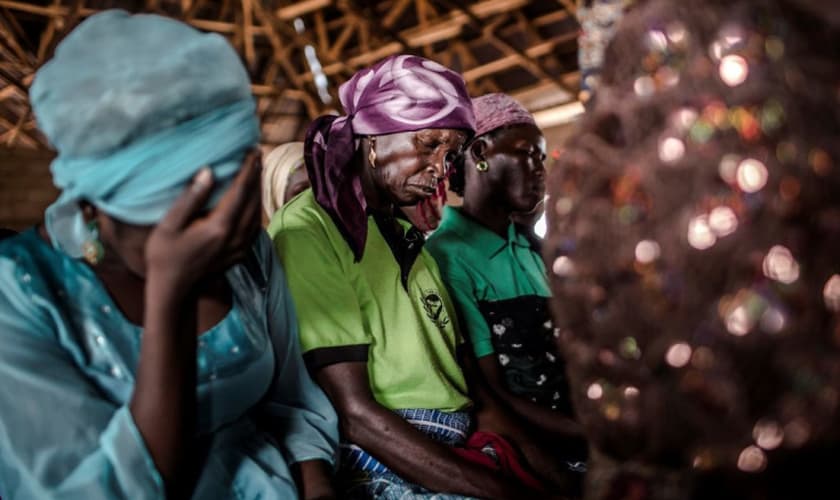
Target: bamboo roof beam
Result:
[526, 59]
[514, 59]
[394, 12]
[298, 9]
[447, 27]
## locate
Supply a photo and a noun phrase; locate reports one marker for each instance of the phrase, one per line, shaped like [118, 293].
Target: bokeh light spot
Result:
[831, 293]
[733, 70]
[644, 86]
[671, 150]
[751, 175]
[722, 221]
[752, 459]
[738, 322]
[563, 266]
[728, 168]
[700, 235]
[768, 434]
[678, 355]
[773, 321]
[647, 251]
[780, 265]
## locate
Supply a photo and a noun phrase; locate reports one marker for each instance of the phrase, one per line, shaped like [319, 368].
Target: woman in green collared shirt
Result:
[496, 279]
[377, 329]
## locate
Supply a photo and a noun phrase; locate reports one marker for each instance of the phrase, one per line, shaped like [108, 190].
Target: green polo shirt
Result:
[401, 324]
[478, 265]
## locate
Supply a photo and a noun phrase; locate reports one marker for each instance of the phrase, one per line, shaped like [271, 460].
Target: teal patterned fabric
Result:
[68, 359]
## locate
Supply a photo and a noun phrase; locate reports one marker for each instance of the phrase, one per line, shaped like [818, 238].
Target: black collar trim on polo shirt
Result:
[404, 245]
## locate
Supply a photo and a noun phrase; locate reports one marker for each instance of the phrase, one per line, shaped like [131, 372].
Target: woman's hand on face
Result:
[187, 246]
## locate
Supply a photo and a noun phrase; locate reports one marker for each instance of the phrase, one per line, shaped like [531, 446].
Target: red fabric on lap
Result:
[507, 460]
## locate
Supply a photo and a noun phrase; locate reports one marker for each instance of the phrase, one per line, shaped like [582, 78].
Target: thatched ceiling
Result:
[298, 52]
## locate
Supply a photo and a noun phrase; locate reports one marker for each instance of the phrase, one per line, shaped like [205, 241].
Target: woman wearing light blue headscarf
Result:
[166, 362]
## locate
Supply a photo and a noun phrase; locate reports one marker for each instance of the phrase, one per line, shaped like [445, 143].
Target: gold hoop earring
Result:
[482, 166]
[372, 152]
[92, 249]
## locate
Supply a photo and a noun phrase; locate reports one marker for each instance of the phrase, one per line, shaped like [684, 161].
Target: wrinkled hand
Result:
[187, 246]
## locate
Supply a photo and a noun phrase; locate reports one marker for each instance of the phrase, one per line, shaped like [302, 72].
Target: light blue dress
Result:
[67, 363]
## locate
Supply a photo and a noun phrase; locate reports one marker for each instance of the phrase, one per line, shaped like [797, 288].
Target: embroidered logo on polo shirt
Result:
[433, 305]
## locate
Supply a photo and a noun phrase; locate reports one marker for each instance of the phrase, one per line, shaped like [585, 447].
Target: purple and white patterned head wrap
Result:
[498, 110]
[401, 93]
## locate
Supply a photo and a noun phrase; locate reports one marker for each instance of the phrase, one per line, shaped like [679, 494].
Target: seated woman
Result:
[497, 280]
[376, 323]
[166, 363]
[283, 177]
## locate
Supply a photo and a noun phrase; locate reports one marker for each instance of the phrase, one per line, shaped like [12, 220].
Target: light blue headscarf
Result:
[135, 106]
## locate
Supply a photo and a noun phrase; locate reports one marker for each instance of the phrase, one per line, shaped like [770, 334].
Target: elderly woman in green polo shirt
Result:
[377, 327]
[497, 280]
